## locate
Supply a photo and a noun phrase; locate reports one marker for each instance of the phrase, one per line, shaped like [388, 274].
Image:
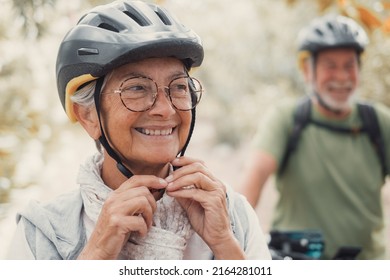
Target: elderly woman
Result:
[123, 74]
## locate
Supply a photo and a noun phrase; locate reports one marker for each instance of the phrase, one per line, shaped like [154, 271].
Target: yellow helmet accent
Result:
[71, 88]
[302, 57]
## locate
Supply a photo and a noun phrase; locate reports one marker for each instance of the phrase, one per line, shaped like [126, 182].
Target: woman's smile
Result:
[155, 132]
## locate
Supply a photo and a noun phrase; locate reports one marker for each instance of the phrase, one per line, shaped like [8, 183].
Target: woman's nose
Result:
[162, 104]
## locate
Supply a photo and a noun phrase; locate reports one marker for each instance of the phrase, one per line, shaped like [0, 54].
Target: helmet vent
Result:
[138, 19]
[319, 32]
[330, 26]
[108, 27]
[163, 17]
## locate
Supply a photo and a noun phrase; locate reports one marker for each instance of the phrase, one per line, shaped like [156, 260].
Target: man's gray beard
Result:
[342, 106]
[335, 104]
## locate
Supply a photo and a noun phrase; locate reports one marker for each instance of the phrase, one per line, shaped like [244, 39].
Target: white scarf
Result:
[171, 228]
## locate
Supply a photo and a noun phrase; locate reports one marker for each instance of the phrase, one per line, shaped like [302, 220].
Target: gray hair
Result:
[85, 97]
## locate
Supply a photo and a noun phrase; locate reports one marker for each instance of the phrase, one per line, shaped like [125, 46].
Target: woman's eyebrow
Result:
[132, 75]
[140, 74]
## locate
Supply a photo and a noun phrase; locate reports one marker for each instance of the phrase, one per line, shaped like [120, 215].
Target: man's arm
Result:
[256, 172]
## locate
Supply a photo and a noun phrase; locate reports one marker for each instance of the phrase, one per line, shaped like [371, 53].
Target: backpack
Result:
[370, 126]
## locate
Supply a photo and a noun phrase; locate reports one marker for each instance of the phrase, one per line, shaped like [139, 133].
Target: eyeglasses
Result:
[139, 94]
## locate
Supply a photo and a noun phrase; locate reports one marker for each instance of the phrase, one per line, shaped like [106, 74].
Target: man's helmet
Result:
[112, 35]
[332, 32]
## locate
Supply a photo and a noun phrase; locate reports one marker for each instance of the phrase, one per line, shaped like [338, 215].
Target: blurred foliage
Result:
[28, 42]
[32, 15]
[371, 14]
[250, 63]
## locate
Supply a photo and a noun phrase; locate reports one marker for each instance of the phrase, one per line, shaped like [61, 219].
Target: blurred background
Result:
[250, 63]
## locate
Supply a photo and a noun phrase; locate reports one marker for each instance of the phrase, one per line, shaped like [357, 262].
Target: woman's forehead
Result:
[152, 66]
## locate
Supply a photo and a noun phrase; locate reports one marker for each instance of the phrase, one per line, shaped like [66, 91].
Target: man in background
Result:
[330, 177]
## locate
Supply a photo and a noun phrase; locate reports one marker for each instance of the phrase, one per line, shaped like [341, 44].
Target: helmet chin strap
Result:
[193, 112]
[103, 139]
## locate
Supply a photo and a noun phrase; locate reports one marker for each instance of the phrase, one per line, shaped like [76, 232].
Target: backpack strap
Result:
[301, 119]
[371, 126]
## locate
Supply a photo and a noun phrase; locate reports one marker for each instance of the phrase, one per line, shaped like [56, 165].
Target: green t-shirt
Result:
[332, 181]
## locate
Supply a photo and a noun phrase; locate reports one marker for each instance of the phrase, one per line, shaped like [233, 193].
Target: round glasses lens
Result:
[138, 94]
[185, 93]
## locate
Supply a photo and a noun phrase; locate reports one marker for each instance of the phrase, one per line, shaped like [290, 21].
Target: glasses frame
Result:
[166, 91]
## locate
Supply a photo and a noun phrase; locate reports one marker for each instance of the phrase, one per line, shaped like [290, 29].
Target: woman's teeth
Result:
[157, 132]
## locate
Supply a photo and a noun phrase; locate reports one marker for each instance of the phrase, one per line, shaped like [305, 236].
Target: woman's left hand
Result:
[203, 197]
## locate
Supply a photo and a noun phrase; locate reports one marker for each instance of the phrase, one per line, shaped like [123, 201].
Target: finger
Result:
[185, 160]
[198, 180]
[149, 181]
[130, 203]
[114, 222]
[208, 199]
[189, 166]
[142, 208]
[135, 224]
[123, 198]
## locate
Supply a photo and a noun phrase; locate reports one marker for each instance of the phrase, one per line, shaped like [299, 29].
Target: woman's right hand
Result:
[129, 208]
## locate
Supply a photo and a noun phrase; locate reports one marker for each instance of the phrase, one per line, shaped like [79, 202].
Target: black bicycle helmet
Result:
[115, 34]
[332, 31]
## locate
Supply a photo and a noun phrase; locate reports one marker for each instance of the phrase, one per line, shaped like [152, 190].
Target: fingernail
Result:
[169, 178]
[162, 181]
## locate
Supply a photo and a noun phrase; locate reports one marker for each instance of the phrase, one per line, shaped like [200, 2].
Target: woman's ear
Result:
[87, 117]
